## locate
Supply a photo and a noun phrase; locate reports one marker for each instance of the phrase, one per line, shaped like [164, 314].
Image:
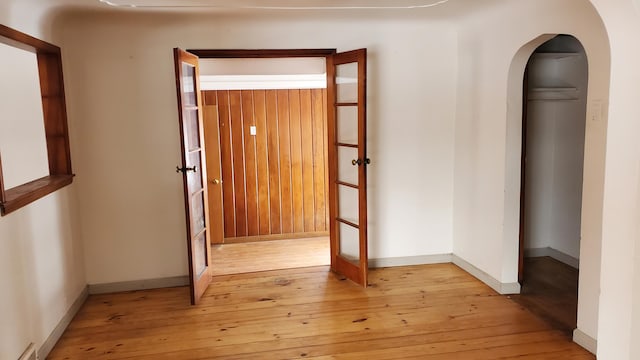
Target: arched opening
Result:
[554, 111]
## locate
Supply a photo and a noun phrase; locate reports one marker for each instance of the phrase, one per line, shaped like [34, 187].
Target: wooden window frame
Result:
[55, 124]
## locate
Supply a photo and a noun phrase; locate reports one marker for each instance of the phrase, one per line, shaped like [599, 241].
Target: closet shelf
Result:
[553, 93]
[558, 55]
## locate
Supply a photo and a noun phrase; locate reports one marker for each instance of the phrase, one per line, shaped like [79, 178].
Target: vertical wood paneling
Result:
[237, 146]
[296, 161]
[307, 160]
[251, 173]
[262, 159]
[273, 148]
[318, 156]
[227, 164]
[209, 98]
[286, 198]
[274, 182]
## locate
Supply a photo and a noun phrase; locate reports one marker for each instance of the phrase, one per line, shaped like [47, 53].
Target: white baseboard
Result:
[553, 253]
[57, 332]
[586, 341]
[410, 260]
[138, 285]
[501, 288]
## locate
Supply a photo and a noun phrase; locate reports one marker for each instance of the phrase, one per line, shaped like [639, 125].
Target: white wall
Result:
[488, 140]
[41, 270]
[619, 323]
[41, 262]
[122, 87]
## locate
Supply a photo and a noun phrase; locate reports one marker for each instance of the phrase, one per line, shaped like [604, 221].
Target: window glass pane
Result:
[191, 129]
[347, 83]
[349, 242]
[197, 212]
[200, 254]
[348, 203]
[347, 118]
[194, 179]
[188, 84]
[347, 172]
[23, 146]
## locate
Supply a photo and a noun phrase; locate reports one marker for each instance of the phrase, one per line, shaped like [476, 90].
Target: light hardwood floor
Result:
[417, 312]
[240, 258]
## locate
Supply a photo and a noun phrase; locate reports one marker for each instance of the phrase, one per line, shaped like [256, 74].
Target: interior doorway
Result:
[266, 125]
[345, 175]
[553, 137]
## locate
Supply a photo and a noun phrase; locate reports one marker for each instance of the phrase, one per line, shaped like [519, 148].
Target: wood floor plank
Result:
[269, 255]
[438, 311]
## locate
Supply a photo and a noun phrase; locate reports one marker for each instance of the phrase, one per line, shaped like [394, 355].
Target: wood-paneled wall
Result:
[274, 182]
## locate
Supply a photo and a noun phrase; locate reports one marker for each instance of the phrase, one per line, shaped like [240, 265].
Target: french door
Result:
[193, 171]
[346, 91]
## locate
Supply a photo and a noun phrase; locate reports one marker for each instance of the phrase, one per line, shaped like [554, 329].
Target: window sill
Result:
[22, 195]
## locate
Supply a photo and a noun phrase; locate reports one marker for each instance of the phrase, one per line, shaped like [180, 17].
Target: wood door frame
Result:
[264, 54]
[523, 165]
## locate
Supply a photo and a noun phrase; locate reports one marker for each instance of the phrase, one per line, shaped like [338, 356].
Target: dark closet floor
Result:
[550, 290]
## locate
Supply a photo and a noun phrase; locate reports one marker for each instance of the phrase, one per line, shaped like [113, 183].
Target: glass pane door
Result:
[348, 166]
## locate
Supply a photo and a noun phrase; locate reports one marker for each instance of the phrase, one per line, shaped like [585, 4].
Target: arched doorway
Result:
[553, 137]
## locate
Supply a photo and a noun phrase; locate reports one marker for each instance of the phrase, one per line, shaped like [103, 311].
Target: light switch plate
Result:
[252, 130]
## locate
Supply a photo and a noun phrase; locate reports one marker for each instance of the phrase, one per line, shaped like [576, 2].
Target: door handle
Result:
[216, 181]
[359, 162]
[185, 169]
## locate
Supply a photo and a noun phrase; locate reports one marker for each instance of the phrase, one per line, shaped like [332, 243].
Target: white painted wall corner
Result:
[138, 285]
[555, 254]
[64, 322]
[501, 288]
[410, 260]
[586, 341]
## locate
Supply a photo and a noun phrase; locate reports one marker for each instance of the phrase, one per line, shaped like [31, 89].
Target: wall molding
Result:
[586, 341]
[263, 82]
[64, 322]
[410, 260]
[501, 288]
[555, 254]
[147, 284]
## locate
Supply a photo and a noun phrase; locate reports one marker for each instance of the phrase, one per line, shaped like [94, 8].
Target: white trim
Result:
[501, 288]
[261, 82]
[138, 285]
[586, 341]
[410, 260]
[553, 253]
[29, 353]
[57, 332]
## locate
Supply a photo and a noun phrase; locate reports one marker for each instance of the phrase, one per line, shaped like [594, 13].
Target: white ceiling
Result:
[278, 4]
[430, 8]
